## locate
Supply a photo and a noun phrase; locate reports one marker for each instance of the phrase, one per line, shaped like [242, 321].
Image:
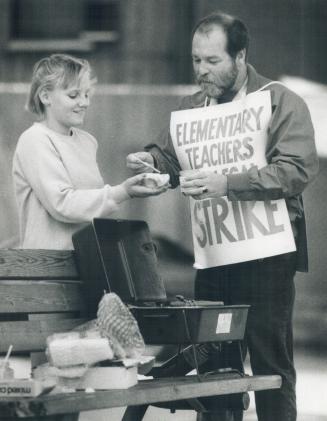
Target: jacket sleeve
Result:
[291, 156]
[39, 166]
[163, 152]
[164, 155]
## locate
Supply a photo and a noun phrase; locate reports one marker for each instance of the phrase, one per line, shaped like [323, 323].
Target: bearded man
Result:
[219, 51]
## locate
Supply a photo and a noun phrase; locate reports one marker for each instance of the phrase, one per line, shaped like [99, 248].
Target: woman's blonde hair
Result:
[57, 70]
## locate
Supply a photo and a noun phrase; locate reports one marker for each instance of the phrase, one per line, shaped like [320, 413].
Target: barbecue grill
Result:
[117, 255]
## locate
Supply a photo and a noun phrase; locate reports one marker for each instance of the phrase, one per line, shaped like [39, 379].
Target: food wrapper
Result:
[117, 323]
[75, 348]
[154, 180]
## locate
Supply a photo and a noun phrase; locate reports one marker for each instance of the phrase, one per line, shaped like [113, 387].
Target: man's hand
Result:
[203, 184]
[134, 162]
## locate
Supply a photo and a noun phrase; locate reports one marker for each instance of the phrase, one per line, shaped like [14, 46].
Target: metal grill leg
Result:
[135, 413]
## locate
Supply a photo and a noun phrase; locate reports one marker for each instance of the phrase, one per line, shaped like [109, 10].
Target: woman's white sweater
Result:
[58, 186]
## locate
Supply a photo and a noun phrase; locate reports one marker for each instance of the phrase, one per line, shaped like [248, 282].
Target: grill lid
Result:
[118, 256]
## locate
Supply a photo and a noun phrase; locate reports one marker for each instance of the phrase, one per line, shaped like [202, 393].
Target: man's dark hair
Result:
[236, 31]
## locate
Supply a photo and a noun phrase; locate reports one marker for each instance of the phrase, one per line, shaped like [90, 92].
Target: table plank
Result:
[31, 335]
[33, 264]
[145, 392]
[32, 296]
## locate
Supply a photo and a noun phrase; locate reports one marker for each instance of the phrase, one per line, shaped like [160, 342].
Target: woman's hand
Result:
[134, 162]
[135, 187]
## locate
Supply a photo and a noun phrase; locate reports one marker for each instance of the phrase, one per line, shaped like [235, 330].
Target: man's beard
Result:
[211, 89]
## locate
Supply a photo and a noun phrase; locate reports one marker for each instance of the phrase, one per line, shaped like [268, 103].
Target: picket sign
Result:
[231, 138]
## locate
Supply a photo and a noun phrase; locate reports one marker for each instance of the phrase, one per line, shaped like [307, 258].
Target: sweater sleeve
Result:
[39, 165]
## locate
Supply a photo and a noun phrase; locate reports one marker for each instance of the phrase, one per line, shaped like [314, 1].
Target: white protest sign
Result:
[231, 138]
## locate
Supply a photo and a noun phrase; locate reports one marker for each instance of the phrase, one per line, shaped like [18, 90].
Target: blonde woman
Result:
[57, 181]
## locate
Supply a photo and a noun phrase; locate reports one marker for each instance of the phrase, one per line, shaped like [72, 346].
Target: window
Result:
[62, 24]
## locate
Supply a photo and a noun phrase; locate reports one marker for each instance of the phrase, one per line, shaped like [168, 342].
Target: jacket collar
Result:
[255, 81]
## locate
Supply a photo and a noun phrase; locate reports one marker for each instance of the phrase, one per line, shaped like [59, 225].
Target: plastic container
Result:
[6, 372]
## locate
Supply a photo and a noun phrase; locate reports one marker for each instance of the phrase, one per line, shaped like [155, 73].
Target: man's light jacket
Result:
[291, 155]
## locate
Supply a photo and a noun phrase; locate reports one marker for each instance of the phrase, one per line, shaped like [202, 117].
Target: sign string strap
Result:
[270, 83]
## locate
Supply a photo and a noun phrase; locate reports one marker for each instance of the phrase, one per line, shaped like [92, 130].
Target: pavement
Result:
[311, 395]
